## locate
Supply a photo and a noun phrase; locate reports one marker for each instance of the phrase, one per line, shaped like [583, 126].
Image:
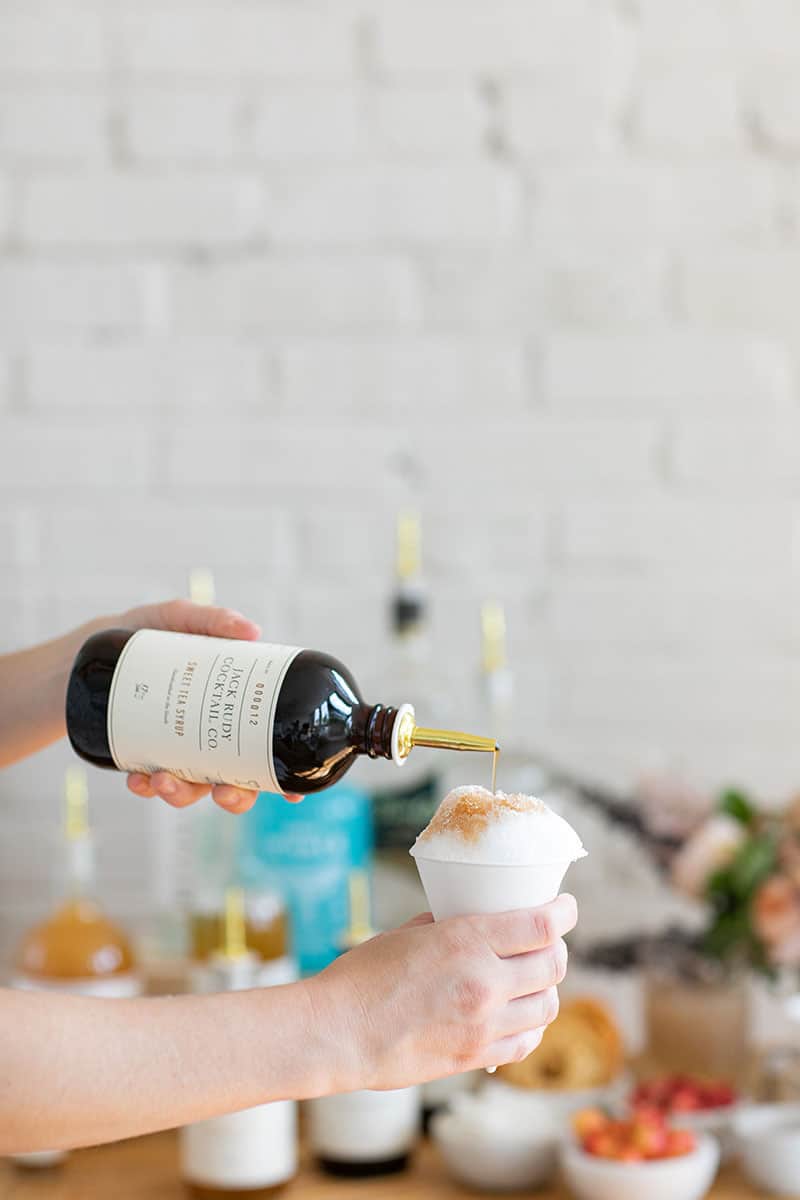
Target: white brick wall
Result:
[45, 127]
[424, 119]
[83, 299]
[188, 376]
[127, 210]
[299, 293]
[407, 376]
[269, 271]
[693, 373]
[310, 41]
[691, 111]
[52, 42]
[5, 381]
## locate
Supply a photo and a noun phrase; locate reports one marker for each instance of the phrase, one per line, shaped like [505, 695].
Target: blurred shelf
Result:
[146, 1168]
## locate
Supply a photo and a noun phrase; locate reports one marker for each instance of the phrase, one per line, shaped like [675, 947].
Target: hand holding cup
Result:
[488, 852]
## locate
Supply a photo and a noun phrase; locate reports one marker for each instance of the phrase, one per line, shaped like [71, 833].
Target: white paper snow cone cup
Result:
[456, 889]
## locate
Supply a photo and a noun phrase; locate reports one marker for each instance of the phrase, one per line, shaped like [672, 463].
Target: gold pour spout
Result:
[410, 734]
[449, 739]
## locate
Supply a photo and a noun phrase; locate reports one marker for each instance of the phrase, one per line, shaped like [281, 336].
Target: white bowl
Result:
[484, 1147]
[768, 1138]
[531, 1105]
[685, 1177]
[716, 1121]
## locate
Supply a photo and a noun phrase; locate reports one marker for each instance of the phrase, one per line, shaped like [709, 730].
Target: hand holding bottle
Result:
[431, 999]
[168, 704]
[182, 616]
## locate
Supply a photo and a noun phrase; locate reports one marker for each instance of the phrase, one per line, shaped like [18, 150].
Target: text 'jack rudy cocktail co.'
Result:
[215, 710]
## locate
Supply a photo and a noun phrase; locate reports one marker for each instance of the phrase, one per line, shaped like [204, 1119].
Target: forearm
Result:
[77, 1071]
[33, 686]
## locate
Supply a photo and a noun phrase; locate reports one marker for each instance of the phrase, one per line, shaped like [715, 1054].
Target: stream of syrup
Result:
[495, 756]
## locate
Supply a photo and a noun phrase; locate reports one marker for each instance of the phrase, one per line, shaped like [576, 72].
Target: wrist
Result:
[335, 1047]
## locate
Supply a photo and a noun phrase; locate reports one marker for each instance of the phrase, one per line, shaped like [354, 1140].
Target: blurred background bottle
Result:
[78, 948]
[364, 1132]
[253, 1152]
[306, 852]
[495, 712]
[404, 802]
[217, 858]
[496, 680]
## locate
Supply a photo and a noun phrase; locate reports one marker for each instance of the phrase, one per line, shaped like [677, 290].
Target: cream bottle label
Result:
[272, 972]
[201, 708]
[255, 1148]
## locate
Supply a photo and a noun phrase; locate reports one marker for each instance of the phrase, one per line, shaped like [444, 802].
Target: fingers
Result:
[527, 1012]
[177, 792]
[180, 793]
[292, 797]
[182, 616]
[538, 970]
[234, 799]
[141, 785]
[528, 929]
[511, 1049]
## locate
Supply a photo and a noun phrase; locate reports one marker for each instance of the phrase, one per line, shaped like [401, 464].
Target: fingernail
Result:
[534, 1039]
[168, 788]
[137, 781]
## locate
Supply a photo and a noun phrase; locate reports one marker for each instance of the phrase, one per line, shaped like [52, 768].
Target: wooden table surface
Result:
[146, 1169]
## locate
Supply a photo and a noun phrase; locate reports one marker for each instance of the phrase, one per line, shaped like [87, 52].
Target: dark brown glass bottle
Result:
[257, 715]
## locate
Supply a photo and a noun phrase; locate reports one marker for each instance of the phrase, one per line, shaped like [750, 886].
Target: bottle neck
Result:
[372, 730]
[392, 733]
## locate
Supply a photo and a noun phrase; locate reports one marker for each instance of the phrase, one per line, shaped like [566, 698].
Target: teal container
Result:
[307, 851]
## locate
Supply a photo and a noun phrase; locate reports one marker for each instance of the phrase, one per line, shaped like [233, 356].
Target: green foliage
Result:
[730, 892]
[737, 805]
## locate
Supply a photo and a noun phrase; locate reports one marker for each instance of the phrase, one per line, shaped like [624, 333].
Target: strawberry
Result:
[589, 1120]
[649, 1139]
[685, 1099]
[679, 1141]
[604, 1145]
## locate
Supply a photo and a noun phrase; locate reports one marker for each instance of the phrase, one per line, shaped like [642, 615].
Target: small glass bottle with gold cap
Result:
[216, 854]
[257, 715]
[403, 802]
[251, 1153]
[78, 948]
[519, 770]
[364, 1132]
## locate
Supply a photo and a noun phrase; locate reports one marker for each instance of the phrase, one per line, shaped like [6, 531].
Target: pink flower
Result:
[671, 806]
[712, 847]
[776, 918]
